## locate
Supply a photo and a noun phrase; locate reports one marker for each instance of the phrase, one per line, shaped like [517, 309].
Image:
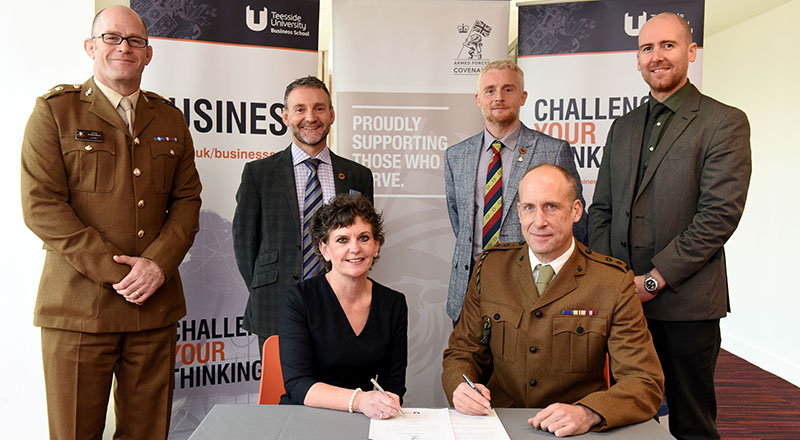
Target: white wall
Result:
[754, 66]
[42, 45]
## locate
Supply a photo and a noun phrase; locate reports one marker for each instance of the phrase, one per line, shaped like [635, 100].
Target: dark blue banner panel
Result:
[291, 24]
[598, 26]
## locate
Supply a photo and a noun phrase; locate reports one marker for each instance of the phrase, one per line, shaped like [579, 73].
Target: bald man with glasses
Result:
[109, 184]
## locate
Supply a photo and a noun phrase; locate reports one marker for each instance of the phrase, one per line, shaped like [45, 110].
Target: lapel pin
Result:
[88, 91]
[341, 176]
[522, 150]
[519, 159]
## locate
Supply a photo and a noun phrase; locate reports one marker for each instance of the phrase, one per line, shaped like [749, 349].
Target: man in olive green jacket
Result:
[115, 197]
[548, 349]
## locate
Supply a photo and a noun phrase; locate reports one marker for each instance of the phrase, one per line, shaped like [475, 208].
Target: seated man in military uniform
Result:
[539, 318]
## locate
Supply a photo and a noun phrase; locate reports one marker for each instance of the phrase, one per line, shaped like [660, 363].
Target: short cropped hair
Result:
[501, 65]
[342, 212]
[306, 81]
[97, 16]
[572, 184]
[687, 30]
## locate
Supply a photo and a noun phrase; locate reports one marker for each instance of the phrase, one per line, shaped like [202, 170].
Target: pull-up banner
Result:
[404, 81]
[225, 64]
[580, 69]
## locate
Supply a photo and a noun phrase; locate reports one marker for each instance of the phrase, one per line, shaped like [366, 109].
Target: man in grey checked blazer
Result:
[267, 225]
[500, 96]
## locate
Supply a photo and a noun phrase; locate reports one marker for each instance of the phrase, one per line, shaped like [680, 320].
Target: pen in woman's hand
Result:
[375, 382]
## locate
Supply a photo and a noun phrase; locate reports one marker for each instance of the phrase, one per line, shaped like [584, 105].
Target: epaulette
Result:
[155, 96]
[62, 89]
[497, 247]
[605, 259]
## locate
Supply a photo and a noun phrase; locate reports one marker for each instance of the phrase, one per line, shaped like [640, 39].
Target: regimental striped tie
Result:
[493, 198]
[313, 200]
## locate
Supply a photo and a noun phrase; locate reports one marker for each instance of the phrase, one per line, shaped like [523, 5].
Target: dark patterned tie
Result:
[313, 200]
[493, 198]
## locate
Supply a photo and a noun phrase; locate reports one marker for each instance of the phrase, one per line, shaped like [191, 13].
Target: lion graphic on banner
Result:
[474, 41]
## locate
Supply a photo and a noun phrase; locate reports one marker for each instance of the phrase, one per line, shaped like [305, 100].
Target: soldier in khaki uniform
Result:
[110, 186]
[548, 349]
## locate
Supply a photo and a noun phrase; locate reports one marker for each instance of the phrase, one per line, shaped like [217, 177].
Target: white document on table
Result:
[418, 424]
[477, 427]
[438, 424]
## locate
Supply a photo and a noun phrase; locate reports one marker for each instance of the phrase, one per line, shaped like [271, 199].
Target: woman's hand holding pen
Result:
[468, 401]
[375, 405]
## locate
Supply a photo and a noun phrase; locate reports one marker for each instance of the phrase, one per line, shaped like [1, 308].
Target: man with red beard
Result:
[670, 192]
[277, 197]
[482, 174]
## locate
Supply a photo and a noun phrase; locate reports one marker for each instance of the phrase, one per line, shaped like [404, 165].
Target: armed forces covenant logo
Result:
[469, 60]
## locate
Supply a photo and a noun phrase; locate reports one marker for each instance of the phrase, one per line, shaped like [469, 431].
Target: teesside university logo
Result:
[469, 60]
[256, 24]
[632, 31]
[278, 23]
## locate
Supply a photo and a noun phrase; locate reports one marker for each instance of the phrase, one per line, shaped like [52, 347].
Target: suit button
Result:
[532, 382]
[88, 148]
[532, 349]
[136, 142]
[623, 244]
[140, 203]
[296, 277]
[137, 172]
[466, 267]
[140, 234]
[496, 316]
[579, 330]
[627, 214]
[537, 313]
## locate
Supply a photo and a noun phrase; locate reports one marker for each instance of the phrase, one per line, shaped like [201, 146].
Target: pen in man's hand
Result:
[375, 382]
[472, 385]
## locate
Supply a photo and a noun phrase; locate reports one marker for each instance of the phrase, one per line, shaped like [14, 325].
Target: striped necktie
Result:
[493, 198]
[313, 200]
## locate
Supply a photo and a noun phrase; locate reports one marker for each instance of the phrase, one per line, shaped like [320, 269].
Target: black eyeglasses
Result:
[116, 40]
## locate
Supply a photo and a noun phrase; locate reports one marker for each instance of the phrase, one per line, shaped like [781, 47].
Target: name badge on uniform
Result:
[88, 135]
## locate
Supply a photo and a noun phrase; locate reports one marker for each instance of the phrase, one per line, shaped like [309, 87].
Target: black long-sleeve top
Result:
[317, 343]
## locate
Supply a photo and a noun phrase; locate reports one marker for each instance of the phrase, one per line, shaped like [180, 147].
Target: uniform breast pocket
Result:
[166, 157]
[505, 329]
[579, 343]
[89, 165]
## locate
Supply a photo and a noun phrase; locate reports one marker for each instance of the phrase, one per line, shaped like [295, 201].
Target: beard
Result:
[504, 120]
[308, 138]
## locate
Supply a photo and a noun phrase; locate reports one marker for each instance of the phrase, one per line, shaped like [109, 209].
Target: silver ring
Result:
[381, 416]
[136, 292]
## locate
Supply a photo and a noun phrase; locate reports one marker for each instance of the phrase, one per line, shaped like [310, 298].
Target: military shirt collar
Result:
[556, 264]
[113, 97]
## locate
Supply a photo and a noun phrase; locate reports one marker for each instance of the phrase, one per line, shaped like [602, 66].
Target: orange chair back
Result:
[271, 388]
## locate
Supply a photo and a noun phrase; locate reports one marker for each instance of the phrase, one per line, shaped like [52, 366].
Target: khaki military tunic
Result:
[540, 353]
[90, 190]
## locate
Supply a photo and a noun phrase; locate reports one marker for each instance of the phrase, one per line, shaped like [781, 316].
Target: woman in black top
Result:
[341, 329]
